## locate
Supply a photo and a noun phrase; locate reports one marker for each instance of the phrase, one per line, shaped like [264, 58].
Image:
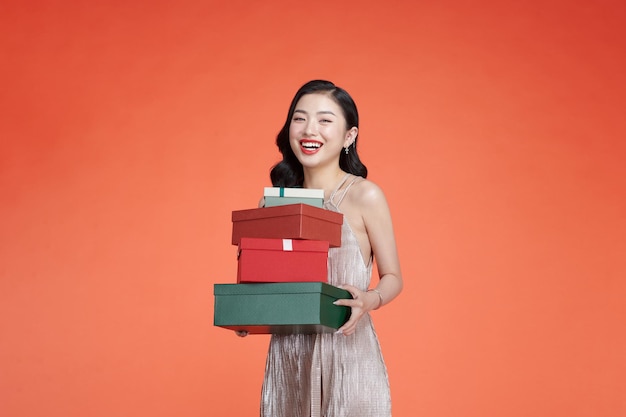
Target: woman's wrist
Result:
[380, 298]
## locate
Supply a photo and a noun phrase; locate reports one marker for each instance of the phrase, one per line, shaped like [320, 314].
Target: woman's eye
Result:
[298, 119]
[325, 121]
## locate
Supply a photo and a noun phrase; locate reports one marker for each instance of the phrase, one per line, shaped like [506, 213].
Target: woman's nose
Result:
[311, 128]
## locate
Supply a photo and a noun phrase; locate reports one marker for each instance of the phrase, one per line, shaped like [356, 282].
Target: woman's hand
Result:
[361, 303]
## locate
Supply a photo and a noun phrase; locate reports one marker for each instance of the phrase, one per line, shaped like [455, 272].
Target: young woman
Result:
[341, 374]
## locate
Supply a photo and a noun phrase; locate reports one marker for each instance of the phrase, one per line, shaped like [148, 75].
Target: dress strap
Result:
[345, 190]
[343, 180]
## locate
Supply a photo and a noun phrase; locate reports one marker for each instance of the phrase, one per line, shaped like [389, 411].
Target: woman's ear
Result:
[351, 136]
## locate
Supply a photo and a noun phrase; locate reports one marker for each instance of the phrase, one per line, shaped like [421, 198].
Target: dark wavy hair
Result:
[289, 172]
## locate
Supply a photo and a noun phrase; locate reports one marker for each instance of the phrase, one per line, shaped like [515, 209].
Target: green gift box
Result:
[283, 308]
[283, 201]
[279, 196]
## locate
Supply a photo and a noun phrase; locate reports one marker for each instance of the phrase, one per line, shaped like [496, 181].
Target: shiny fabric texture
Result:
[330, 375]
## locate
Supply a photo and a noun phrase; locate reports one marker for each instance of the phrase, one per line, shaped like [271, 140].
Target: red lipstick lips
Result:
[309, 146]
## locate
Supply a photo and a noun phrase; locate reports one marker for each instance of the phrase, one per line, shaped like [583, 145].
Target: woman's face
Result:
[318, 131]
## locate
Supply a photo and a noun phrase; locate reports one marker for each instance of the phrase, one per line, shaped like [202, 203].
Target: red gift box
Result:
[292, 221]
[282, 260]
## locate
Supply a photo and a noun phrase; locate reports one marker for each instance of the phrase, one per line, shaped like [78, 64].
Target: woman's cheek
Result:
[294, 145]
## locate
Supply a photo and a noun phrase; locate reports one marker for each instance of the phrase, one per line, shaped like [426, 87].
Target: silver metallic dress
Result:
[330, 375]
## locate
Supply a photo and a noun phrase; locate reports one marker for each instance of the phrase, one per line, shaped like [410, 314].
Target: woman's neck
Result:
[325, 180]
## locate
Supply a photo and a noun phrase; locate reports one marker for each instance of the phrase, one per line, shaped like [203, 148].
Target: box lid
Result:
[296, 245]
[287, 210]
[293, 192]
[281, 288]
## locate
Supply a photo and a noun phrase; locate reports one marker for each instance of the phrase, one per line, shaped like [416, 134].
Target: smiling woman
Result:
[343, 373]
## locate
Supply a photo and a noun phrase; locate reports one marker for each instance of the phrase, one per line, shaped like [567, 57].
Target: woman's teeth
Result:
[311, 145]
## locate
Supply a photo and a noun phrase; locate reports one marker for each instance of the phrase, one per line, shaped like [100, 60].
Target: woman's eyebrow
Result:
[319, 112]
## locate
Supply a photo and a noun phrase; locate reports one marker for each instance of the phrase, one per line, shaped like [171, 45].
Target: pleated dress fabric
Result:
[330, 375]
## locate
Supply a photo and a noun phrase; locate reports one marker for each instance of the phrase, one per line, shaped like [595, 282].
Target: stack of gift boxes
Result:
[282, 268]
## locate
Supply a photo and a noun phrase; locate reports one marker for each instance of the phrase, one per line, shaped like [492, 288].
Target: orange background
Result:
[129, 131]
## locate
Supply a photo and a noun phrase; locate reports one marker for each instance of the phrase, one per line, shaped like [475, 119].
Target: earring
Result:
[347, 149]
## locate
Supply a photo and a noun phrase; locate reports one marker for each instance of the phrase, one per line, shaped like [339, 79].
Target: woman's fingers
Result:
[349, 327]
[356, 306]
[354, 291]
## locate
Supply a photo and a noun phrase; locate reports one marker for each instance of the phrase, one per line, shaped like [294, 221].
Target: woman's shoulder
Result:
[367, 192]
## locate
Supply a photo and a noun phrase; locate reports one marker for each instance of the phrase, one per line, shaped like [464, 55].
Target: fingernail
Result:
[339, 331]
[335, 302]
